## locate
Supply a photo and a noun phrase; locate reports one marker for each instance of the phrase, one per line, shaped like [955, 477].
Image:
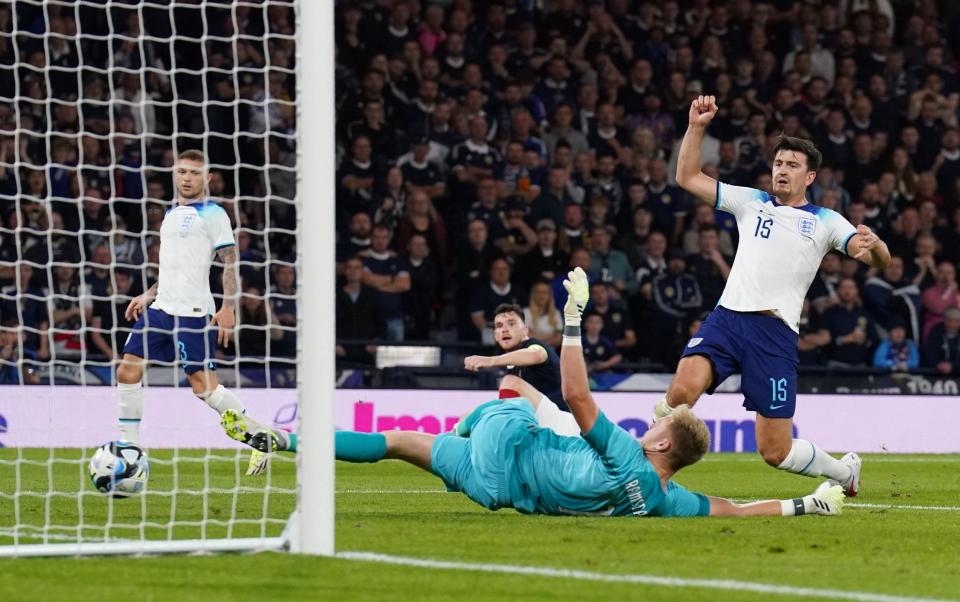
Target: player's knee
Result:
[774, 455]
[129, 374]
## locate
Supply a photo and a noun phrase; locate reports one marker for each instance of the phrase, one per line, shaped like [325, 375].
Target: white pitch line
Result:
[881, 460]
[390, 491]
[848, 505]
[903, 507]
[680, 582]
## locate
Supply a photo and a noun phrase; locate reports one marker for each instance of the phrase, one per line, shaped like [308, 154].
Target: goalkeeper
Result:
[500, 458]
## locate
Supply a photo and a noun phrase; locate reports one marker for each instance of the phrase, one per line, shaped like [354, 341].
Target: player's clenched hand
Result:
[225, 320]
[702, 110]
[578, 294]
[476, 362]
[868, 240]
[136, 307]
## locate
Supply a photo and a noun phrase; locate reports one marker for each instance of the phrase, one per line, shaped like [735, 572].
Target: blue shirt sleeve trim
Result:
[704, 509]
[846, 241]
[224, 245]
[716, 205]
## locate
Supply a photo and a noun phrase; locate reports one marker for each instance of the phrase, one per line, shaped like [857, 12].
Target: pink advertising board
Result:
[68, 416]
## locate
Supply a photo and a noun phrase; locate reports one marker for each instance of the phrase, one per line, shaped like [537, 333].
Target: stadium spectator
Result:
[942, 346]
[387, 274]
[542, 316]
[419, 172]
[813, 340]
[282, 311]
[496, 291]
[108, 326]
[12, 372]
[544, 261]
[422, 218]
[676, 301]
[71, 309]
[552, 199]
[27, 303]
[579, 258]
[705, 215]
[667, 202]
[823, 289]
[617, 323]
[709, 266]
[358, 315]
[361, 226]
[610, 265]
[897, 352]
[256, 330]
[599, 352]
[419, 303]
[633, 241]
[939, 297]
[851, 329]
[888, 296]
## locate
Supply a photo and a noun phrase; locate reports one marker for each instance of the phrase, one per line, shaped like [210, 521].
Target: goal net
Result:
[97, 99]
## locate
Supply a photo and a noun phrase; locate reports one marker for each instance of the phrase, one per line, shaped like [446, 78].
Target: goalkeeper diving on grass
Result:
[499, 456]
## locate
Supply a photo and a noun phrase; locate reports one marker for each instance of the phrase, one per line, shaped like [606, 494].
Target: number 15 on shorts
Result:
[778, 389]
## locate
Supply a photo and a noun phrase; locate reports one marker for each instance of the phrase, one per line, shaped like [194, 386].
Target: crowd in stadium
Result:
[488, 147]
[485, 148]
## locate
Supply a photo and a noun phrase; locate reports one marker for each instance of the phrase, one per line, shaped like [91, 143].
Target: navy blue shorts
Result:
[761, 348]
[159, 337]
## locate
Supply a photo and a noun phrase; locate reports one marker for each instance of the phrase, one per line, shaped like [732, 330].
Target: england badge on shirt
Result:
[807, 226]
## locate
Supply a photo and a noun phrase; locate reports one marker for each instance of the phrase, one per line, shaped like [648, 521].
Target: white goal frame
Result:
[310, 530]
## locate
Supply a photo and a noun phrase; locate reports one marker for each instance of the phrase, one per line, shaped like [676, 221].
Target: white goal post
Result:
[202, 502]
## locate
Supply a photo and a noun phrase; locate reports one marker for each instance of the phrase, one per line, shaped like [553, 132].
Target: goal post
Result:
[96, 101]
[315, 114]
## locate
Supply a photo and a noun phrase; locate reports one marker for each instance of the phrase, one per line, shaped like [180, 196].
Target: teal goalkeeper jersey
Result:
[604, 473]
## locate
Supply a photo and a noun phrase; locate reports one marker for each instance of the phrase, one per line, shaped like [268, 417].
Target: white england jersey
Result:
[780, 251]
[189, 236]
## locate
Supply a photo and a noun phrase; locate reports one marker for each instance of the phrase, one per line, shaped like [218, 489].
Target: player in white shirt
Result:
[173, 320]
[755, 326]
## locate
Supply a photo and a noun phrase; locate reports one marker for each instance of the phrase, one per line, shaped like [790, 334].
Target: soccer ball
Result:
[119, 469]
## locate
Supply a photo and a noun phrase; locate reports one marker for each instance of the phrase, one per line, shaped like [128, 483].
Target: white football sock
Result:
[560, 422]
[807, 459]
[221, 400]
[130, 410]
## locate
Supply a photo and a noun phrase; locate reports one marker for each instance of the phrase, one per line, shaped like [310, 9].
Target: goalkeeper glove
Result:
[578, 294]
[828, 500]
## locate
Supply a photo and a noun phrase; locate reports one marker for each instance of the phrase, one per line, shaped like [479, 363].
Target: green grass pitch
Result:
[879, 547]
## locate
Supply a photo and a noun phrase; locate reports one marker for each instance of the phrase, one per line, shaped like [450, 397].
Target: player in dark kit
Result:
[532, 360]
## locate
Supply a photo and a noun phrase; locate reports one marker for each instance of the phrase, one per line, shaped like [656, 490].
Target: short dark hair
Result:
[509, 308]
[192, 155]
[800, 145]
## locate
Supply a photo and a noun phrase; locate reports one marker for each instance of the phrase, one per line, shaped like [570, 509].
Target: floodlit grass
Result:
[392, 508]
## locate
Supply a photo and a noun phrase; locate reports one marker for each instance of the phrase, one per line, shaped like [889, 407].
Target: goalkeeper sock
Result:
[807, 459]
[130, 410]
[221, 400]
[360, 447]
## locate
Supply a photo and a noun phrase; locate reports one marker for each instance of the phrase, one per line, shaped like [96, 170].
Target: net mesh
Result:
[96, 101]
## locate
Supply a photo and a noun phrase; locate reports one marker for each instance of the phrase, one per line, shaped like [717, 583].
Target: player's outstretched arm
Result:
[868, 248]
[690, 176]
[573, 370]
[827, 500]
[531, 356]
